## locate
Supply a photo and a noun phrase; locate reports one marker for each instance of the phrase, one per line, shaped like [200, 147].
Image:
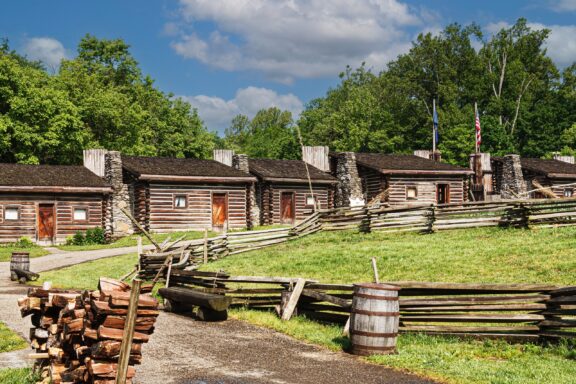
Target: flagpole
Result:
[475, 131]
[433, 126]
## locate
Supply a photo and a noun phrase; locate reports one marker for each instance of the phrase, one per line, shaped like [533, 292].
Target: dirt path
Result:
[184, 351]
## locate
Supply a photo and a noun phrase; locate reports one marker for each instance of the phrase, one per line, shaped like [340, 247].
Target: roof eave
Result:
[424, 172]
[206, 179]
[54, 189]
[295, 180]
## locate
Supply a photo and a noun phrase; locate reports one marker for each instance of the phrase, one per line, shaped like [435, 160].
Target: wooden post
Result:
[375, 269]
[293, 301]
[128, 334]
[139, 245]
[205, 245]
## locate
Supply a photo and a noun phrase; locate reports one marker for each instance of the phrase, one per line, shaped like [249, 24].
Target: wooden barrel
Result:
[20, 260]
[374, 319]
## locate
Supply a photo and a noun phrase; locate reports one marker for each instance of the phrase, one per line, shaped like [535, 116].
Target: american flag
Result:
[478, 131]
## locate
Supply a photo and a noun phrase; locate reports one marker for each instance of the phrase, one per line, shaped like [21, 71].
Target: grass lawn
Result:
[85, 275]
[479, 255]
[131, 241]
[18, 376]
[6, 251]
[9, 340]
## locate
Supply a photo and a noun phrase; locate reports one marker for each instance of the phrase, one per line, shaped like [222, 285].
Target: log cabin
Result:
[518, 177]
[173, 194]
[397, 180]
[285, 195]
[48, 203]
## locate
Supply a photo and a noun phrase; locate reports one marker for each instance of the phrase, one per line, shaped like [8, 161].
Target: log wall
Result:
[65, 225]
[197, 215]
[426, 189]
[271, 195]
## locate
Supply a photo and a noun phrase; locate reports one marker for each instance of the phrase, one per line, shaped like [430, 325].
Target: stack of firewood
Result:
[77, 335]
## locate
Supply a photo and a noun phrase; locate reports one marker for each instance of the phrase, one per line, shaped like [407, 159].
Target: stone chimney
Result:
[349, 188]
[513, 184]
[120, 224]
[317, 157]
[223, 156]
[566, 159]
[240, 162]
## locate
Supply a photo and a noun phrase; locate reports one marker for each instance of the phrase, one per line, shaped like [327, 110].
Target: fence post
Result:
[205, 245]
[366, 222]
[128, 335]
[430, 219]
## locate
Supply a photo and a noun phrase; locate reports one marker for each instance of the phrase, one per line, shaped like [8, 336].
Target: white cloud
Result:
[296, 38]
[217, 113]
[560, 45]
[563, 5]
[46, 49]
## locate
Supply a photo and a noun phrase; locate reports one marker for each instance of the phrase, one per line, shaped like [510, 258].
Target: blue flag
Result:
[435, 121]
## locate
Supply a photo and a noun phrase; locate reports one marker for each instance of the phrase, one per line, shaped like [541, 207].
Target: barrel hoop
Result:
[372, 334]
[377, 286]
[372, 313]
[387, 298]
[371, 348]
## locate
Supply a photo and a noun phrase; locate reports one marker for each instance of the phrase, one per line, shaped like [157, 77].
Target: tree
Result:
[270, 134]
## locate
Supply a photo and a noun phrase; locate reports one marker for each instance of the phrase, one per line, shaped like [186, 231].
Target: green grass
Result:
[479, 255]
[6, 251]
[85, 275]
[544, 255]
[445, 359]
[131, 241]
[18, 376]
[9, 340]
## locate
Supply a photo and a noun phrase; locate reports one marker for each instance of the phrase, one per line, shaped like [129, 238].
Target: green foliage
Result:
[525, 105]
[24, 242]
[18, 376]
[270, 134]
[9, 340]
[98, 99]
[92, 236]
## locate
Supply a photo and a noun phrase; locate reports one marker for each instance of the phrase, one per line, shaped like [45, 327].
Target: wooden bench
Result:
[211, 307]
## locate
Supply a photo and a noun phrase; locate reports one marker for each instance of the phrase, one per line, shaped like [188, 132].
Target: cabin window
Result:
[311, 201]
[411, 193]
[180, 201]
[568, 192]
[11, 213]
[80, 214]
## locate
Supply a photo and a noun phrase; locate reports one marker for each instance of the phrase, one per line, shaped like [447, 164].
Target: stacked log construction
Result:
[77, 334]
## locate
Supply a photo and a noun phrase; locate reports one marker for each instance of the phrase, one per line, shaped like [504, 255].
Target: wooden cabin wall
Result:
[323, 193]
[164, 217]
[373, 182]
[426, 189]
[556, 185]
[65, 225]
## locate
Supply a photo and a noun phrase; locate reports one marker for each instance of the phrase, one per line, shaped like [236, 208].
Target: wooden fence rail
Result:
[425, 219]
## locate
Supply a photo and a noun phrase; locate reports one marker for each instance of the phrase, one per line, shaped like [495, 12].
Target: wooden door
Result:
[219, 209]
[287, 214]
[46, 222]
[442, 193]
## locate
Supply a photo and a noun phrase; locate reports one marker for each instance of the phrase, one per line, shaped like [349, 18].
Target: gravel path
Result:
[184, 351]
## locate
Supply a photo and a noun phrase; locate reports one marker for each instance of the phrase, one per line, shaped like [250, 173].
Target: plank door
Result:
[287, 206]
[442, 193]
[219, 209]
[46, 222]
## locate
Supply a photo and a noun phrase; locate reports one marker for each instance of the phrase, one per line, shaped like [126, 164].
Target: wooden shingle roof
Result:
[288, 171]
[549, 167]
[407, 164]
[50, 178]
[178, 169]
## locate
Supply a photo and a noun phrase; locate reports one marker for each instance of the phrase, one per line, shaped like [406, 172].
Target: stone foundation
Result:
[349, 189]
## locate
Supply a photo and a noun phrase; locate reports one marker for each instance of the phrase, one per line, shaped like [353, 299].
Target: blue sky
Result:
[238, 56]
